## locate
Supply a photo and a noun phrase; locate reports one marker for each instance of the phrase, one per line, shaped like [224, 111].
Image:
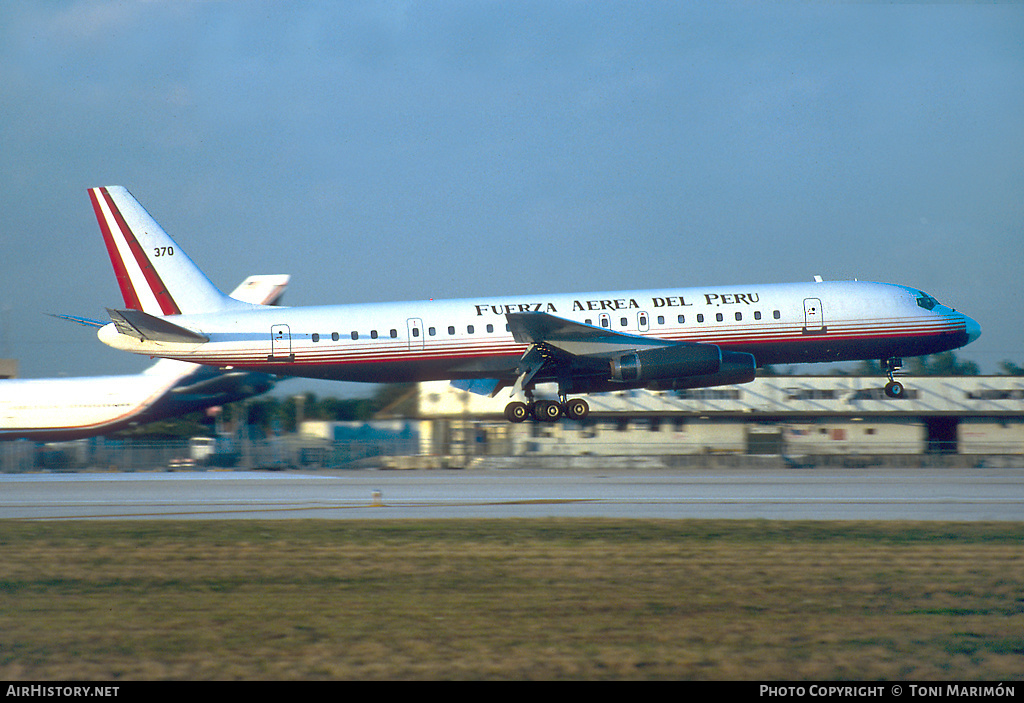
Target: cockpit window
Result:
[926, 301]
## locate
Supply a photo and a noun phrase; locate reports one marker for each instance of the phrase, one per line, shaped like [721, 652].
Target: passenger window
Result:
[777, 315]
[316, 337]
[661, 319]
[470, 329]
[490, 328]
[415, 331]
[700, 317]
[718, 317]
[432, 331]
[757, 315]
[739, 316]
[373, 334]
[451, 330]
[335, 336]
[394, 334]
[355, 335]
[680, 319]
[623, 321]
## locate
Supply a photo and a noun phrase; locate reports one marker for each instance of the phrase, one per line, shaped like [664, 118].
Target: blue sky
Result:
[409, 150]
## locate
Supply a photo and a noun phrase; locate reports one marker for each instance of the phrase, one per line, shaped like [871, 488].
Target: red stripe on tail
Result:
[156, 285]
[124, 281]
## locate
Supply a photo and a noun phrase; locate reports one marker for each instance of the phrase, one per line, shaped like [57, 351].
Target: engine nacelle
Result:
[679, 361]
[736, 367]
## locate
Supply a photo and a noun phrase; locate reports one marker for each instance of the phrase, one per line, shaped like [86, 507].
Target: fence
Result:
[101, 454]
[286, 453]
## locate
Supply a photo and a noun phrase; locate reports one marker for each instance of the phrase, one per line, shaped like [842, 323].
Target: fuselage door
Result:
[814, 319]
[281, 343]
[643, 321]
[415, 328]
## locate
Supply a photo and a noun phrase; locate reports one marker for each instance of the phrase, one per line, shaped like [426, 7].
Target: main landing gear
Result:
[547, 410]
[893, 389]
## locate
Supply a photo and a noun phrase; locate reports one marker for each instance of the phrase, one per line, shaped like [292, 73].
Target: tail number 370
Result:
[163, 251]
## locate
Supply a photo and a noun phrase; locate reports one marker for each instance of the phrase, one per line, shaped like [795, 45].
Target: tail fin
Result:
[154, 273]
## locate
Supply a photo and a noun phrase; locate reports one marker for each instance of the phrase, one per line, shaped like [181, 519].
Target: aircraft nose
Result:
[973, 329]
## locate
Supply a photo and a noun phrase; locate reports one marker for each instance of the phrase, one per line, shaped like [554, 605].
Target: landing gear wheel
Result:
[516, 411]
[894, 389]
[546, 411]
[576, 409]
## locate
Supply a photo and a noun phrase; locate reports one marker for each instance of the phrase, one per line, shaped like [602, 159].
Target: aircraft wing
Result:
[566, 351]
[576, 338]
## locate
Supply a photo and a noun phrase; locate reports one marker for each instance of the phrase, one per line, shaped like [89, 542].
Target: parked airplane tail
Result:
[155, 275]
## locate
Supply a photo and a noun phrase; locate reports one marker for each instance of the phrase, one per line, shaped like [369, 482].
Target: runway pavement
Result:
[795, 494]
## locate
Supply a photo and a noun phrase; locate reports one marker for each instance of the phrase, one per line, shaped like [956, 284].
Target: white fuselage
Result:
[470, 338]
[66, 408]
[55, 409]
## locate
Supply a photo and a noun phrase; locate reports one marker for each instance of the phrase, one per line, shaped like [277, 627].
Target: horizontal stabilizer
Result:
[84, 321]
[135, 323]
[263, 289]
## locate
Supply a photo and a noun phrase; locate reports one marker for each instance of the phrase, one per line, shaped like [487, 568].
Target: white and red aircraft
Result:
[54, 409]
[584, 343]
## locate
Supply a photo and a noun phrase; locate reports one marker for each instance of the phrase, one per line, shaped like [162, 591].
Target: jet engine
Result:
[676, 361]
[736, 367]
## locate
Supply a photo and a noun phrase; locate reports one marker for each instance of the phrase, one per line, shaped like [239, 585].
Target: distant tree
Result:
[944, 364]
[769, 370]
[396, 400]
[195, 424]
[869, 367]
[1011, 369]
[344, 409]
[263, 413]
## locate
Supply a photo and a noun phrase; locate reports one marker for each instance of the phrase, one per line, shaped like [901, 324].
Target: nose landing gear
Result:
[893, 389]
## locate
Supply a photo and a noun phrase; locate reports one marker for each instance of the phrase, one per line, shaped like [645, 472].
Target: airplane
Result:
[585, 343]
[57, 409]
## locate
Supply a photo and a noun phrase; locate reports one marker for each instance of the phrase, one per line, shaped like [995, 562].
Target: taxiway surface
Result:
[819, 494]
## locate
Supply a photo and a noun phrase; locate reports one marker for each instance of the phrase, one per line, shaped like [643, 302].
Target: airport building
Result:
[774, 421]
[843, 420]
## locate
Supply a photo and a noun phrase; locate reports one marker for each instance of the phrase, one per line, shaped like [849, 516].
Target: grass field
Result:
[511, 599]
